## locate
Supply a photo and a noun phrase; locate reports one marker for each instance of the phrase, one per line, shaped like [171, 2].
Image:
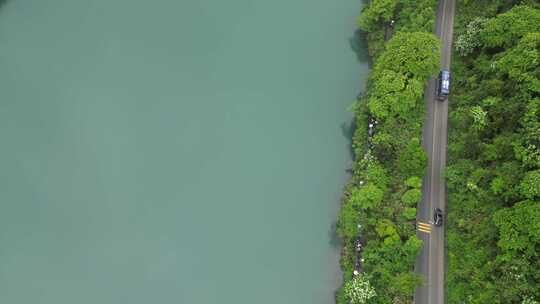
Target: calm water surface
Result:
[173, 151]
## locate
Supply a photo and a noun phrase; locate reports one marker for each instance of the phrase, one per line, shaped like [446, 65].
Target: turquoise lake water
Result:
[164, 151]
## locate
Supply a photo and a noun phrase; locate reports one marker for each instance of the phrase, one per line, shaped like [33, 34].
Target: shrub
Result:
[411, 197]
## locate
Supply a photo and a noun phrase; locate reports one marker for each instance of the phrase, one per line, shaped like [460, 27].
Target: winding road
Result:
[430, 264]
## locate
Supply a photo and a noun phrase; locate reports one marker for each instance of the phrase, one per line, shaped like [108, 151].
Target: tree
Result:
[384, 145]
[366, 197]
[409, 213]
[412, 160]
[521, 62]
[415, 55]
[359, 290]
[348, 222]
[411, 197]
[493, 233]
[411, 248]
[528, 300]
[497, 185]
[468, 41]
[505, 185]
[387, 230]
[414, 182]
[393, 94]
[527, 148]
[377, 174]
[416, 15]
[530, 185]
[519, 228]
[404, 285]
[378, 11]
[507, 28]
[519, 238]
[479, 117]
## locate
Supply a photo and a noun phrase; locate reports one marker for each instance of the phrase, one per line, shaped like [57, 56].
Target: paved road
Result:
[431, 262]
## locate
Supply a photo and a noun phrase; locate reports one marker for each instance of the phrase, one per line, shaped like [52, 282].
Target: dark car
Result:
[443, 85]
[437, 217]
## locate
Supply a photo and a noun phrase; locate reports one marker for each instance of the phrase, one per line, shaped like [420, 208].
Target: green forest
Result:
[493, 173]
[493, 170]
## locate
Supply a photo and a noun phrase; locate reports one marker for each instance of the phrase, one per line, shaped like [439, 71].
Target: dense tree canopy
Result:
[519, 229]
[367, 197]
[381, 17]
[416, 15]
[493, 173]
[412, 197]
[507, 28]
[411, 54]
[412, 160]
[378, 12]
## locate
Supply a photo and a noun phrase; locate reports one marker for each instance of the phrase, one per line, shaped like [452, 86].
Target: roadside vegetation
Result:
[493, 173]
[376, 222]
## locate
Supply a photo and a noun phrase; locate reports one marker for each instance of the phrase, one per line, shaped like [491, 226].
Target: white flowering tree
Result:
[529, 301]
[468, 41]
[359, 290]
